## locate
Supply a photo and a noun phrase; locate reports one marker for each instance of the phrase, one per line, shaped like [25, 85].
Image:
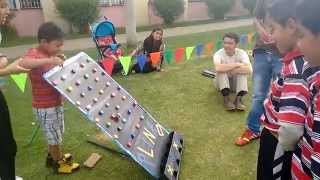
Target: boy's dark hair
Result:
[49, 32]
[282, 10]
[308, 14]
[233, 36]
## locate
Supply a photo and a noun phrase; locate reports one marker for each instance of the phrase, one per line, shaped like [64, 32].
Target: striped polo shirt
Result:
[286, 100]
[43, 95]
[306, 157]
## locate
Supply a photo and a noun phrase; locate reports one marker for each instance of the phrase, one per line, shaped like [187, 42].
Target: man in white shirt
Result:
[232, 66]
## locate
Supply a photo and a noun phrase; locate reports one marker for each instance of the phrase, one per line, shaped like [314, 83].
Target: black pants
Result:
[7, 168]
[273, 162]
[8, 147]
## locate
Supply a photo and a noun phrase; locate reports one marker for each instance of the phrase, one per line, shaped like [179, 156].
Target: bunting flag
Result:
[243, 39]
[168, 56]
[108, 65]
[125, 62]
[255, 36]
[155, 57]
[179, 54]
[219, 45]
[189, 51]
[142, 59]
[250, 37]
[20, 80]
[209, 48]
[199, 49]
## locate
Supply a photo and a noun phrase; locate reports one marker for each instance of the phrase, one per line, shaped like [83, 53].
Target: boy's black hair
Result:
[231, 35]
[49, 32]
[282, 10]
[308, 14]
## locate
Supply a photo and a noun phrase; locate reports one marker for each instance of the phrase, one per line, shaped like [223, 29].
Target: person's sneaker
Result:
[50, 162]
[18, 178]
[64, 167]
[247, 137]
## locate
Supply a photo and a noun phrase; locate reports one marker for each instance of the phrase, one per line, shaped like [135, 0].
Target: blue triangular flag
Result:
[199, 49]
[142, 59]
[243, 39]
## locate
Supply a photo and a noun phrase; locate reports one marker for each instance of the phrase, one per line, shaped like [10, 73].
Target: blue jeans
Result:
[266, 66]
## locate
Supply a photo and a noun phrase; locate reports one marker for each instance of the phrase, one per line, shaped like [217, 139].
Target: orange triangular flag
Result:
[155, 57]
[209, 47]
[250, 37]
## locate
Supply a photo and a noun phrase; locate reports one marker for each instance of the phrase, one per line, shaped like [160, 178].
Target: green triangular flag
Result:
[125, 62]
[219, 45]
[168, 56]
[189, 51]
[20, 80]
[255, 36]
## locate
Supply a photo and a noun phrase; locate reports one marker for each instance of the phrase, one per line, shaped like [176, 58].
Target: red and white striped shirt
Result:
[287, 98]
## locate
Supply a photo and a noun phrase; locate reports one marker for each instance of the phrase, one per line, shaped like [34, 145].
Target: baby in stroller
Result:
[103, 34]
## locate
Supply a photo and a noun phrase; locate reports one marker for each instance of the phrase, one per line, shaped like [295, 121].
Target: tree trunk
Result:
[131, 23]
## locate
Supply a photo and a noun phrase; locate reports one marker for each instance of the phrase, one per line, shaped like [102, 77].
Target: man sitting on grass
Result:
[232, 66]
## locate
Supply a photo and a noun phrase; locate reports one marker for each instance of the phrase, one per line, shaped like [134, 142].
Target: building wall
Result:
[27, 21]
[115, 14]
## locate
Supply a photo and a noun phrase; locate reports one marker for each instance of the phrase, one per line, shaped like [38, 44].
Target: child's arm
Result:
[31, 63]
[13, 68]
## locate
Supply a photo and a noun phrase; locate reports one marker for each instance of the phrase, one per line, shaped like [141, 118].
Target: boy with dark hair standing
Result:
[287, 98]
[306, 157]
[46, 101]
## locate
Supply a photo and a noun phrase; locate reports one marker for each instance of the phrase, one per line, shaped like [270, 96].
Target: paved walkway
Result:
[85, 43]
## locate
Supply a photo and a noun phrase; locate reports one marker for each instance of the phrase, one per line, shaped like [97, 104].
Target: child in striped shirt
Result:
[306, 157]
[286, 100]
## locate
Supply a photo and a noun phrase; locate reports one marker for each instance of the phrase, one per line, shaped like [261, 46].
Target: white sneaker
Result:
[18, 178]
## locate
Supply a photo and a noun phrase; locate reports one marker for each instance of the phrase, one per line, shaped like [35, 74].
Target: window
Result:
[30, 4]
[12, 4]
[112, 2]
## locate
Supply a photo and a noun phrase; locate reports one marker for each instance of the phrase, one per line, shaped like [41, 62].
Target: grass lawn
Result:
[179, 98]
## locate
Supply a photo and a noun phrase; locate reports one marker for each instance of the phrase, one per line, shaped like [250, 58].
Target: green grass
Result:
[179, 98]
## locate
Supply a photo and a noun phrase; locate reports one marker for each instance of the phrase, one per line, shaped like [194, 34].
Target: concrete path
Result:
[85, 43]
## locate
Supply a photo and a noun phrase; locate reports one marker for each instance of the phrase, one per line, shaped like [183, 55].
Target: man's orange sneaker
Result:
[246, 137]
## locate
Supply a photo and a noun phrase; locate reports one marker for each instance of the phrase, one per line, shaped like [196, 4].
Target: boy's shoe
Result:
[50, 162]
[247, 137]
[64, 167]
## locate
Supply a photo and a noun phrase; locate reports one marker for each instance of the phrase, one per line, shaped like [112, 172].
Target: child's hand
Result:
[15, 68]
[3, 62]
[56, 60]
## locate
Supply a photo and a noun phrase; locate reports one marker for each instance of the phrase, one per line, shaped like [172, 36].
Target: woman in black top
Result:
[153, 43]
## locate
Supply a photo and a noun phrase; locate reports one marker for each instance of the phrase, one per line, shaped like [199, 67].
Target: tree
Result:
[250, 5]
[78, 12]
[131, 24]
[218, 8]
[169, 10]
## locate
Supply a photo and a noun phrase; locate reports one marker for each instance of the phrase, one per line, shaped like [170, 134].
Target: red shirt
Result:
[43, 94]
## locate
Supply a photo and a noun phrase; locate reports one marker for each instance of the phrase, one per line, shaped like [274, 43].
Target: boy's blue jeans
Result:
[266, 66]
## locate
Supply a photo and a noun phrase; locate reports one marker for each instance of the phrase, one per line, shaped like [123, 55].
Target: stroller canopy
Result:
[102, 29]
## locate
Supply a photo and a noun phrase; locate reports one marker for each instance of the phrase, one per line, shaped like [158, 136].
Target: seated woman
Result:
[153, 43]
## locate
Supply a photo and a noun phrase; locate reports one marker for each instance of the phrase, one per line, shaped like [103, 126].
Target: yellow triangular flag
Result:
[20, 80]
[189, 51]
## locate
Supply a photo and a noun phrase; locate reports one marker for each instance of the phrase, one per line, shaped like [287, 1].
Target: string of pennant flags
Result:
[180, 53]
[168, 55]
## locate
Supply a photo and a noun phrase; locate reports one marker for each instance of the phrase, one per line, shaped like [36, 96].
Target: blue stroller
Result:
[103, 34]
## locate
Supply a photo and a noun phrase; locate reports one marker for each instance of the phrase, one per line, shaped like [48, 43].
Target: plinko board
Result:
[104, 102]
